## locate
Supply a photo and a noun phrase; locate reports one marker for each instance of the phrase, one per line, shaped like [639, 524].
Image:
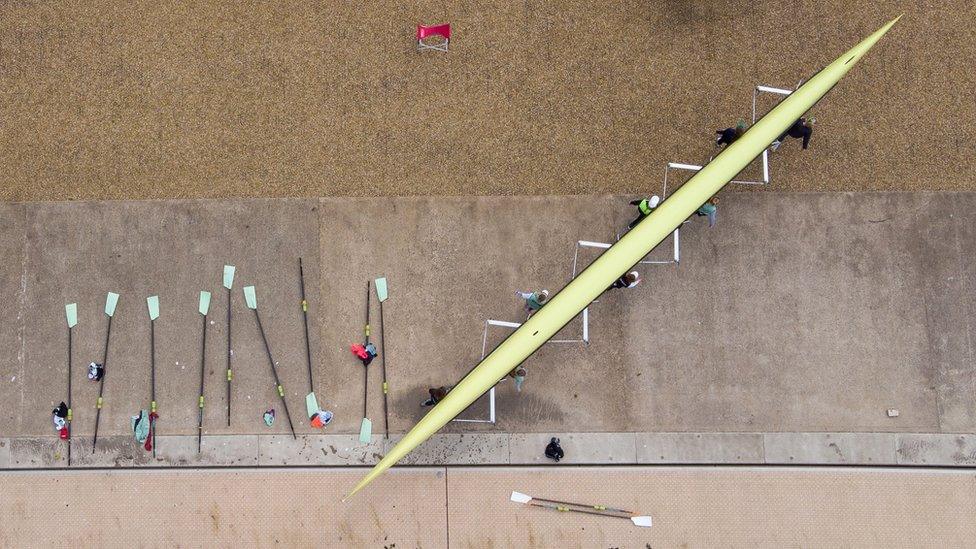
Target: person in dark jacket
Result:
[729, 135]
[553, 450]
[802, 128]
[437, 394]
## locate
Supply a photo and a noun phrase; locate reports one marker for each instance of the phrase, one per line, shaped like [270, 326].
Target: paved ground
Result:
[647, 448]
[470, 507]
[805, 312]
[115, 100]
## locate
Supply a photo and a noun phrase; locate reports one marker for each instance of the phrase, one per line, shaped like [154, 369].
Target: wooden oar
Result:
[566, 506]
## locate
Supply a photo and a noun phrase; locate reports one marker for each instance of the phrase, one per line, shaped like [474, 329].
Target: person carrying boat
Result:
[644, 208]
[437, 394]
[533, 300]
[729, 135]
[710, 210]
[801, 129]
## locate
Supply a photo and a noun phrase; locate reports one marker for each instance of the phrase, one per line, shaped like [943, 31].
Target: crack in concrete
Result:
[962, 278]
[22, 316]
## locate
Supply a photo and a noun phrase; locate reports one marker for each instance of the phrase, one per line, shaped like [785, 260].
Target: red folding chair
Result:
[441, 35]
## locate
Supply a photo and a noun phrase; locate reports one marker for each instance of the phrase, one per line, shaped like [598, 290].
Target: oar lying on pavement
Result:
[310, 397]
[366, 427]
[381, 293]
[111, 301]
[228, 282]
[203, 308]
[566, 506]
[152, 302]
[71, 313]
[250, 297]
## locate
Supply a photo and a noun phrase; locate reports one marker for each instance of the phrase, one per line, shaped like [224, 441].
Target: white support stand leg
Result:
[759, 89]
[755, 94]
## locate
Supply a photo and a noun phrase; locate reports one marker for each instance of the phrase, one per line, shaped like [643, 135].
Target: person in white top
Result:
[628, 280]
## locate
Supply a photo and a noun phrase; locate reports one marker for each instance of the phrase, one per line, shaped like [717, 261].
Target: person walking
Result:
[628, 280]
[437, 394]
[644, 208]
[710, 210]
[533, 300]
[729, 135]
[554, 451]
[802, 128]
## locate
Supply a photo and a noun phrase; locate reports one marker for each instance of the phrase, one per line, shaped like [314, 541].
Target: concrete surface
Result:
[700, 448]
[797, 313]
[470, 507]
[861, 448]
[917, 449]
[927, 448]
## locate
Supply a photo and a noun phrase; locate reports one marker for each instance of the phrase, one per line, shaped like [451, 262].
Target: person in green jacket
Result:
[533, 300]
[710, 210]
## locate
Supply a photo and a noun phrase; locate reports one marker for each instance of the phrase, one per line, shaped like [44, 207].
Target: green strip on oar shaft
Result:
[250, 297]
[203, 309]
[71, 314]
[229, 283]
[111, 301]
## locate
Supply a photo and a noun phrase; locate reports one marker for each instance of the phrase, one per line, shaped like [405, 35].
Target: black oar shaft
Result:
[203, 365]
[152, 383]
[68, 423]
[365, 365]
[308, 348]
[101, 385]
[230, 375]
[274, 373]
[386, 414]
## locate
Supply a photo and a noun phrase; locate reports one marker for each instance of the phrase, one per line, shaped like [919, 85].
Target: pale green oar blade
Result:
[519, 497]
[71, 312]
[250, 297]
[311, 405]
[643, 522]
[365, 431]
[381, 289]
[228, 276]
[153, 303]
[204, 302]
[111, 300]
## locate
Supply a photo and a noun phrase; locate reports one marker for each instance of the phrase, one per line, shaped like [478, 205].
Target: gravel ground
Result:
[113, 100]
